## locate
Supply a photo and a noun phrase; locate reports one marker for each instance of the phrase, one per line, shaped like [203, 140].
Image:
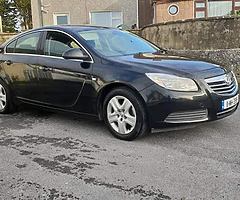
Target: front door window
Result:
[57, 43]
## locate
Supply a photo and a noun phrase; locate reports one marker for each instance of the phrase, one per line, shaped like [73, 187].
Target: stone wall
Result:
[196, 34]
[5, 36]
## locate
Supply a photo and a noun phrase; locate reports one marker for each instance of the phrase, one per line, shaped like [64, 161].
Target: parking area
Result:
[57, 156]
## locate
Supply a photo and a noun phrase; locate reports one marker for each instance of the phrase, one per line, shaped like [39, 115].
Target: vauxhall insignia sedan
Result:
[114, 76]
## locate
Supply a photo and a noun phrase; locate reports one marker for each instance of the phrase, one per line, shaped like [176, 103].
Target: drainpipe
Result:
[40, 8]
[154, 3]
[206, 8]
[233, 7]
[138, 14]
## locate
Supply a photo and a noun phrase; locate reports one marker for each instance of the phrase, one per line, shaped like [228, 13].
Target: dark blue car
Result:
[114, 76]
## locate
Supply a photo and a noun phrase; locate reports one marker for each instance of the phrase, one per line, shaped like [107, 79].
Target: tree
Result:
[24, 12]
[9, 14]
[235, 13]
[238, 12]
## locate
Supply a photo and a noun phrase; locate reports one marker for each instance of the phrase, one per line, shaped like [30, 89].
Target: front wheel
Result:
[124, 114]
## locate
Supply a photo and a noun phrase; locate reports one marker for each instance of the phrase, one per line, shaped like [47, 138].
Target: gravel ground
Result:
[56, 156]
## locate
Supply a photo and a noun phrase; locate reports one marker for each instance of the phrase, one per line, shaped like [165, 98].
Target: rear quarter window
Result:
[11, 47]
[27, 44]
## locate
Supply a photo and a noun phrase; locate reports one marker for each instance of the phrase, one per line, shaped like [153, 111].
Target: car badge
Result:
[228, 79]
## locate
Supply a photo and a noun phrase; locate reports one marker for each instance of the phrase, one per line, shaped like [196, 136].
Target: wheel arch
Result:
[108, 88]
[6, 81]
[11, 100]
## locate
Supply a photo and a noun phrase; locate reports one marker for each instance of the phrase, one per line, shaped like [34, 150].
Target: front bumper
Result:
[166, 107]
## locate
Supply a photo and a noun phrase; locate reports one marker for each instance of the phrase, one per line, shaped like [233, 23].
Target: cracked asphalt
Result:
[57, 156]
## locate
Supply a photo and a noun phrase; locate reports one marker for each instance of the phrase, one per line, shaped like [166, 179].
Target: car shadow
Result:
[179, 135]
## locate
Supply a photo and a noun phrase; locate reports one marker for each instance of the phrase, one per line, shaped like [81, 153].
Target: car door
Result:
[20, 65]
[61, 80]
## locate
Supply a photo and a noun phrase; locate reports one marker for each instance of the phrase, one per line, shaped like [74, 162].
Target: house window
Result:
[237, 3]
[61, 18]
[109, 19]
[173, 9]
[219, 8]
[200, 14]
[200, 9]
[200, 5]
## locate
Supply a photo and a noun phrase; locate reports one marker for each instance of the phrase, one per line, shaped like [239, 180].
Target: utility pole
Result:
[137, 14]
[40, 13]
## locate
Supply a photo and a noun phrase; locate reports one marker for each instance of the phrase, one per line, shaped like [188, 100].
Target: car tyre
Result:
[124, 114]
[6, 103]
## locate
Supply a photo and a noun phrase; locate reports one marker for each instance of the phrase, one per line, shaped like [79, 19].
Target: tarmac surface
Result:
[56, 156]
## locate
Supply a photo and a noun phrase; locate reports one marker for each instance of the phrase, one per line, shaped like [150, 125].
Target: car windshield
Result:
[112, 42]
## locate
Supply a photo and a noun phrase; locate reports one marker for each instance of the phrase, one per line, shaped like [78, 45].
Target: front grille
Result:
[188, 116]
[224, 84]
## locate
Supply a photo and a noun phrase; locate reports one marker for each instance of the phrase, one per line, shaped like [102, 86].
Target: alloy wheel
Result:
[121, 115]
[3, 98]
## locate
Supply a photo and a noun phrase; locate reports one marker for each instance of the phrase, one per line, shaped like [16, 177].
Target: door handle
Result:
[43, 68]
[9, 62]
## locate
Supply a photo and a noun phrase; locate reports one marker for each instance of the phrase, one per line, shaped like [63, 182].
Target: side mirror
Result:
[75, 53]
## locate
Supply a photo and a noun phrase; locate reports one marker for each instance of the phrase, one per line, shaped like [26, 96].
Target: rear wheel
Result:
[6, 104]
[124, 114]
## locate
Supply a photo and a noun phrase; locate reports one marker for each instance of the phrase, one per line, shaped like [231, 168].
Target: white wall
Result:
[79, 10]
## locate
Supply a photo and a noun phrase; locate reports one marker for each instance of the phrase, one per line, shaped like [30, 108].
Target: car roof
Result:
[74, 28]
[64, 28]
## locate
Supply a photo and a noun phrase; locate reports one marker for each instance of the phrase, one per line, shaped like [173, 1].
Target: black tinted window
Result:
[11, 47]
[27, 44]
[57, 43]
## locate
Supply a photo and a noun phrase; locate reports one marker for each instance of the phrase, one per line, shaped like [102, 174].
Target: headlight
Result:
[172, 82]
